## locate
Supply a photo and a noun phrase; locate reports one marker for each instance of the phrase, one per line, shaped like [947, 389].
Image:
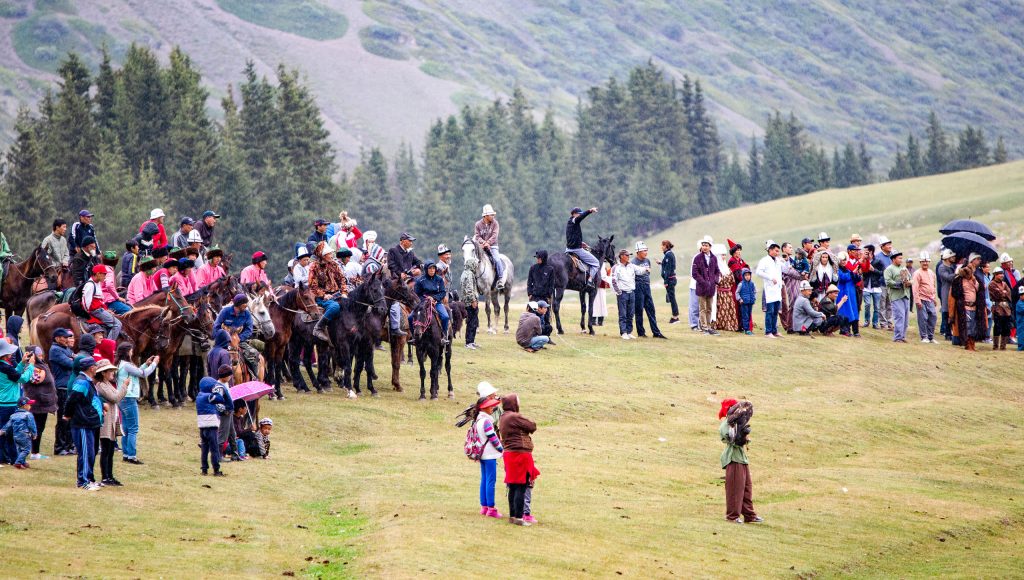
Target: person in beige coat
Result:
[111, 427]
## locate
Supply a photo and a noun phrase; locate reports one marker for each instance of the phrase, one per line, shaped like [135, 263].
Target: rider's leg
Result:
[593, 264]
[498, 264]
[250, 355]
[395, 318]
[442, 312]
[119, 307]
[109, 321]
[331, 311]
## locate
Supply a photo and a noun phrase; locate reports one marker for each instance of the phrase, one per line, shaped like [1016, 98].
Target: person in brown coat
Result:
[520, 472]
[1002, 314]
[111, 427]
[41, 390]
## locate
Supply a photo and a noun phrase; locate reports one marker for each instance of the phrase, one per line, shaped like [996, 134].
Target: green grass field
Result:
[868, 459]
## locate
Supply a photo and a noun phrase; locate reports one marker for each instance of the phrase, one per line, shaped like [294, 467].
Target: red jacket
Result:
[160, 239]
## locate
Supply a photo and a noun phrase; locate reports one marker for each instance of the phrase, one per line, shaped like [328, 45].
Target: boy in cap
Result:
[22, 426]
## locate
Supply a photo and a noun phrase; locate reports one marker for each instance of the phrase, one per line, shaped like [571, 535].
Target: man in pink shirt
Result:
[183, 279]
[925, 299]
[109, 286]
[211, 271]
[166, 274]
[257, 272]
[143, 284]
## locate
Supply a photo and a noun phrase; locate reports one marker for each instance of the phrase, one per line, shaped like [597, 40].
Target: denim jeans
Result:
[109, 321]
[499, 266]
[626, 305]
[331, 309]
[488, 479]
[771, 317]
[872, 302]
[119, 307]
[538, 342]
[130, 422]
[395, 316]
[593, 264]
[85, 446]
[746, 310]
[694, 309]
[22, 446]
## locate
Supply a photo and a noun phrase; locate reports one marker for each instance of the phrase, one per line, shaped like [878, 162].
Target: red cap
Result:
[489, 404]
[725, 407]
[258, 256]
[99, 269]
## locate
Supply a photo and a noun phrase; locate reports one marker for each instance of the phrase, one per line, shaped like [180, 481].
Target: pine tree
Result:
[917, 166]
[937, 158]
[376, 204]
[70, 143]
[106, 94]
[141, 106]
[754, 193]
[115, 195]
[971, 150]
[901, 167]
[26, 199]
[999, 154]
[304, 139]
[864, 160]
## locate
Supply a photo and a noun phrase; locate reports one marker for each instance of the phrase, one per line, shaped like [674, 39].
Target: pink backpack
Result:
[474, 446]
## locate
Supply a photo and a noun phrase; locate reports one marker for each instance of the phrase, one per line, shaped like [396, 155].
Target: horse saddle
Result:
[578, 263]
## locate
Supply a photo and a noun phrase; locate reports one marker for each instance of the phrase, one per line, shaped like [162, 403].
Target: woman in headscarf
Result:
[726, 317]
[823, 272]
[846, 281]
[736, 266]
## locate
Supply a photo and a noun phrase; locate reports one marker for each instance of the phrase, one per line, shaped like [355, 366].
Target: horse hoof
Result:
[433, 397]
[352, 395]
[451, 395]
[399, 389]
[375, 394]
[423, 398]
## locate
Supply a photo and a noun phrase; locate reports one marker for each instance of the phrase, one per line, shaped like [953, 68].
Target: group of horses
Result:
[284, 319]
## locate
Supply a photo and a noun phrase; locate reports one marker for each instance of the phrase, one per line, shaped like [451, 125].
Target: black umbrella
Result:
[970, 226]
[967, 243]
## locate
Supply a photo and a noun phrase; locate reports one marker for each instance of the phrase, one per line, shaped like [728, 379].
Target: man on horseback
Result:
[180, 238]
[319, 231]
[211, 271]
[236, 316]
[444, 269]
[84, 260]
[432, 285]
[257, 272]
[352, 270]
[328, 284]
[374, 255]
[205, 227]
[299, 268]
[81, 230]
[110, 295]
[574, 243]
[157, 217]
[129, 263]
[485, 233]
[93, 303]
[56, 245]
[402, 260]
[143, 284]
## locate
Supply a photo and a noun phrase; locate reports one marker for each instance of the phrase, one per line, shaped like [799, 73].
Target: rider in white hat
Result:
[444, 268]
[485, 233]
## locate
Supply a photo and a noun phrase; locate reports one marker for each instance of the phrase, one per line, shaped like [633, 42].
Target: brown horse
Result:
[395, 290]
[287, 303]
[17, 284]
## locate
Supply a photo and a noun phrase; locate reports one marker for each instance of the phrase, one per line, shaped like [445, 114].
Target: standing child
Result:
[12, 377]
[520, 471]
[746, 295]
[492, 450]
[734, 432]
[209, 421]
[111, 394]
[22, 426]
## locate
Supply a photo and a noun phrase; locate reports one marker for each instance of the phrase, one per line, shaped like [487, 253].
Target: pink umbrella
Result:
[250, 391]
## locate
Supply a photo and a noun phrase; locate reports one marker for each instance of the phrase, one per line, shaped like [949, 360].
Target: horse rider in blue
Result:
[236, 316]
[574, 243]
[431, 284]
[485, 233]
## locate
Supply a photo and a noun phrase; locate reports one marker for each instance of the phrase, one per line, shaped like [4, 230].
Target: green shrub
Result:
[306, 18]
[12, 9]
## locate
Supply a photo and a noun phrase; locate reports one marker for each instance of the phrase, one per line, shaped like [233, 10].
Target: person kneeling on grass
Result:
[734, 432]
[208, 419]
[520, 471]
[530, 333]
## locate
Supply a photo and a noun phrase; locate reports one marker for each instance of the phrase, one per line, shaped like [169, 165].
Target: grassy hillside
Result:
[384, 68]
[910, 212]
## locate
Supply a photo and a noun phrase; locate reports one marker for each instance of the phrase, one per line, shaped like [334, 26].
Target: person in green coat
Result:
[739, 491]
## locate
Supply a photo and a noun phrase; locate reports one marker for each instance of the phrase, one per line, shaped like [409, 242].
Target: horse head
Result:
[422, 318]
[470, 249]
[259, 308]
[605, 250]
[47, 269]
[186, 310]
[375, 294]
[305, 299]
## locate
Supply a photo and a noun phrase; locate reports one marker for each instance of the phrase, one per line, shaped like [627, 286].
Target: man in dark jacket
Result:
[205, 226]
[61, 360]
[705, 272]
[84, 260]
[402, 260]
[541, 282]
[668, 276]
[319, 232]
[84, 409]
[574, 242]
[80, 230]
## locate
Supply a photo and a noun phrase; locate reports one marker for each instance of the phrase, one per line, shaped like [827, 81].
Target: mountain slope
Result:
[383, 69]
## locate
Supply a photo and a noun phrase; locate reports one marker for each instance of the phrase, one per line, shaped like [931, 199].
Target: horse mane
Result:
[139, 310]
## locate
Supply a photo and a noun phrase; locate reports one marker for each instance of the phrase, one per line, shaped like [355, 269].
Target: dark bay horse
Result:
[181, 319]
[287, 303]
[569, 277]
[426, 329]
[17, 284]
[364, 313]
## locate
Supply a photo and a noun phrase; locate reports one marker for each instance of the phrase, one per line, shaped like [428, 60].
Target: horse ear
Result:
[611, 238]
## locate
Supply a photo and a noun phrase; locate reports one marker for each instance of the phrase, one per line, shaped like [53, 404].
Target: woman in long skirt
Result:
[601, 299]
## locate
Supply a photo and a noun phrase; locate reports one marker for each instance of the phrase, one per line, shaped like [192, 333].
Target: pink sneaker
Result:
[530, 519]
[484, 510]
[493, 513]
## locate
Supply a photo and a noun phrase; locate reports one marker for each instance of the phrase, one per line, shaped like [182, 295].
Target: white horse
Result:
[259, 309]
[485, 281]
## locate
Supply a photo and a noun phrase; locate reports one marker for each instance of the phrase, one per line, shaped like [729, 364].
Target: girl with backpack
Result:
[490, 449]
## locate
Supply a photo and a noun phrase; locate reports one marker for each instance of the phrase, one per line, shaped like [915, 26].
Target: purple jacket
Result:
[706, 274]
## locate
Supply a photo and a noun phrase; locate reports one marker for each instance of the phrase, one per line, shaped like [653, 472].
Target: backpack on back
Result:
[75, 300]
[474, 446]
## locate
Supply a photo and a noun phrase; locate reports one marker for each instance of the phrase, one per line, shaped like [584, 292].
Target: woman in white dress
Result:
[601, 299]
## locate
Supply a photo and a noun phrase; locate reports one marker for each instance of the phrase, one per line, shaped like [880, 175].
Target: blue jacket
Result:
[61, 362]
[668, 268]
[206, 403]
[230, 318]
[84, 406]
[11, 379]
[430, 286]
[219, 353]
[747, 292]
[78, 232]
[20, 422]
[847, 285]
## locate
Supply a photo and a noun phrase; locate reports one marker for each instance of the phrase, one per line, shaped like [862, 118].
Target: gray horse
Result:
[485, 283]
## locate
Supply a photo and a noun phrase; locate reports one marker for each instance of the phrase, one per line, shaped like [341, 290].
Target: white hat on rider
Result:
[641, 246]
[194, 236]
[485, 389]
[443, 249]
[370, 236]
[156, 213]
[1005, 258]
[707, 240]
[488, 210]
[301, 253]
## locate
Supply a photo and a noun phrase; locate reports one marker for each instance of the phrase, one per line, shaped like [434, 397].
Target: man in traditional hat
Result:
[883, 259]
[444, 269]
[256, 272]
[925, 298]
[211, 271]
[770, 271]
[574, 243]
[945, 275]
[95, 305]
[897, 282]
[298, 268]
[485, 233]
[143, 284]
[644, 301]
[180, 238]
[805, 318]
[329, 285]
[824, 243]
[1013, 278]
[705, 272]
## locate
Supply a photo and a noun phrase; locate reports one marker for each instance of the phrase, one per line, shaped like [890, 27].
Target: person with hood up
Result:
[207, 417]
[431, 284]
[145, 239]
[540, 284]
[226, 429]
[218, 355]
[746, 297]
[470, 298]
[733, 431]
[21, 427]
[14, 325]
[520, 471]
